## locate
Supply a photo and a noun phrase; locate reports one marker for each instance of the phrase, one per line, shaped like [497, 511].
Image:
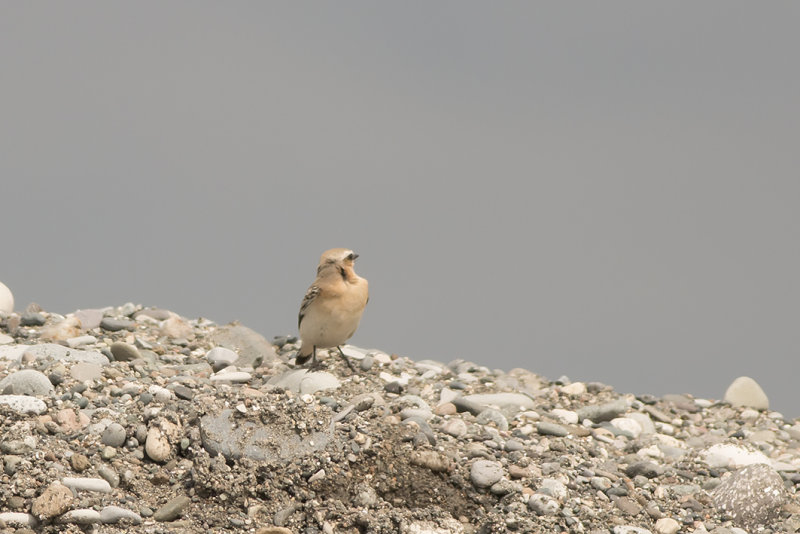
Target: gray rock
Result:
[173, 509]
[109, 475]
[603, 412]
[32, 319]
[80, 516]
[26, 382]
[627, 529]
[490, 415]
[90, 319]
[154, 313]
[367, 363]
[226, 375]
[551, 429]
[23, 404]
[124, 352]
[744, 391]
[115, 325]
[113, 435]
[52, 351]
[463, 404]
[115, 514]
[97, 485]
[302, 381]
[541, 504]
[508, 403]
[83, 371]
[220, 357]
[233, 438]
[19, 519]
[752, 495]
[252, 347]
[484, 473]
[182, 392]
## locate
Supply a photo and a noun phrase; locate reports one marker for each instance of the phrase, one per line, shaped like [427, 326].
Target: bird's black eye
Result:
[351, 256]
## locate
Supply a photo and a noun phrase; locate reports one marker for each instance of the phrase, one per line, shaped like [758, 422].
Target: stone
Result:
[744, 391]
[541, 504]
[6, 299]
[47, 351]
[158, 444]
[97, 485]
[32, 319]
[229, 374]
[116, 514]
[90, 319]
[753, 496]
[176, 328]
[598, 413]
[79, 462]
[124, 352]
[80, 516]
[505, 402]
[54, 501]
[173, 509]
[551, 429]
[115, 325]
[114, 435]
[19, 519]
[83, 371]
[667, 525]
[484, 473]
[80, 341]
[253, 349]
[26, 382]
[455, 427]
[302, 381]
[23, 404]
[220, 357]
[728, 455]
[628, 529]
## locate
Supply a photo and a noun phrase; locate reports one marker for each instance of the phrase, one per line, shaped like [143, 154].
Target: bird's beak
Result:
[355, 256]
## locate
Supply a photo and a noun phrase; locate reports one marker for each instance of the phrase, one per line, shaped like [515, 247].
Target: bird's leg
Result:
[346, 359]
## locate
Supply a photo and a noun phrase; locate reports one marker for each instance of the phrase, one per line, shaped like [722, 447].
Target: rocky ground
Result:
[136, 419]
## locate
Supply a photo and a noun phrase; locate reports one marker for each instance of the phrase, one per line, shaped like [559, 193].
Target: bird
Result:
[332, 306]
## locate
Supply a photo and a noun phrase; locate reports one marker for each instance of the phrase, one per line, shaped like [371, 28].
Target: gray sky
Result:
[604, 190]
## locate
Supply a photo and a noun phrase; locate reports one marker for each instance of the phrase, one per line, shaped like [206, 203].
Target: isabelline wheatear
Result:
[333, 305]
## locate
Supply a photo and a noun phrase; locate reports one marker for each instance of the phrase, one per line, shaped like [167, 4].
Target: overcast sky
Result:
[607, 191]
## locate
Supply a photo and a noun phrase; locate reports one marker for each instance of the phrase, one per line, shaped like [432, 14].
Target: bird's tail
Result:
[303, 356]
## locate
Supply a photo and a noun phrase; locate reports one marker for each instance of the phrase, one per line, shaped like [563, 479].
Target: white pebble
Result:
[87, 484]
[6, 299]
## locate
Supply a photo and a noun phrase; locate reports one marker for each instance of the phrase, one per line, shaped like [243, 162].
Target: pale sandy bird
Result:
[333, 305]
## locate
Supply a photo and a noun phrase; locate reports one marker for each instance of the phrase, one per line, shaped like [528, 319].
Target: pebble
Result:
[79, 462]
[80, 341]
[667, 525]
[83, 371]
[81, 516]
[6, 299]
[116, 514]
[114, 435]
[19, 519]
[115, 325]
[744, 391]
[23, 404]
[26, 382]
[32, 319]
[157, 445]
[484, 473]
[220, 357]
[454, 427]
[598, 413]
[173, 509]
[490, 415]
[236, 377]
[124, 352]
[54, 501]
[568, 417]
[541, 504]
[97, 485]
[551, 429]
[753, 496]
[730, 455]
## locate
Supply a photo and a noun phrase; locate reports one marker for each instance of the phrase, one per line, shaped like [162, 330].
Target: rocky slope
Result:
[136, 419]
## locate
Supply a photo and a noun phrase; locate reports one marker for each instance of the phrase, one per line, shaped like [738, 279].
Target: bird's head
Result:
[337, 256]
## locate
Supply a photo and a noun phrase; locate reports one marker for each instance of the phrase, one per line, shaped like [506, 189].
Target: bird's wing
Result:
[312, 293]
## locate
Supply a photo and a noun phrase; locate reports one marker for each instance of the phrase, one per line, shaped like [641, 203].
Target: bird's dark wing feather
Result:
[311, 294]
